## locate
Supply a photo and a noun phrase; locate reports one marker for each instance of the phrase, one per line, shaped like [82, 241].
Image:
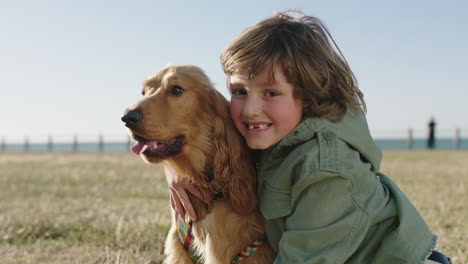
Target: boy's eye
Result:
[271, 93]
[238, 92]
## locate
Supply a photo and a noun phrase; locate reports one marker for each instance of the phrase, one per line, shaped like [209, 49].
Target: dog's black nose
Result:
[132, 118]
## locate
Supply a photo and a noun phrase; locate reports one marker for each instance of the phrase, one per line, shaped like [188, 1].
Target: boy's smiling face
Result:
[264, 110]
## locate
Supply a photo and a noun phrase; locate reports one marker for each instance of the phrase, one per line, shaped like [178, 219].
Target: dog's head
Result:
[182, 119]
[172, 114]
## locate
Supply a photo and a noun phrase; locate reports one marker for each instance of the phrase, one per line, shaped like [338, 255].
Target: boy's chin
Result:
[258, 145]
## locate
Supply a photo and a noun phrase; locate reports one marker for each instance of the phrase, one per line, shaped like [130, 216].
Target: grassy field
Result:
[113, 208]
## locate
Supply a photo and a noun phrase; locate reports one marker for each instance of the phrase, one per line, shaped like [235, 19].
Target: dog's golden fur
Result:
[213, 156]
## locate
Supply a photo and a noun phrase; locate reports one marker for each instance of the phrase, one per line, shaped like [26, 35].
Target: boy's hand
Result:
[180, 200]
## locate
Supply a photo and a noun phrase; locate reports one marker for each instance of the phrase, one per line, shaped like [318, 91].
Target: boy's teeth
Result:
[259, 126]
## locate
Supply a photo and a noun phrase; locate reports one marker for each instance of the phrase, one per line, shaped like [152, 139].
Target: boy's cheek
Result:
[235, 115]
[235, 108]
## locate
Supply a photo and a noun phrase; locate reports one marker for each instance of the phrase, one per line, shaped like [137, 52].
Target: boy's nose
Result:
[252, 107]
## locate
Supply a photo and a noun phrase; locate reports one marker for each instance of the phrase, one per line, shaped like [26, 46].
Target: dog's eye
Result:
[176, 90]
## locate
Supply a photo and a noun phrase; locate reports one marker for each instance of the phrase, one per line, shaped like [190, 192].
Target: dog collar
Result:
[186, 237]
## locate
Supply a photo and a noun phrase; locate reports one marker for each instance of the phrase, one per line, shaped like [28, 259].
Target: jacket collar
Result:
[352, 129]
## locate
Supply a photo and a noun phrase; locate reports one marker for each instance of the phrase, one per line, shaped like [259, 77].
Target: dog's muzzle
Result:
[132, 118]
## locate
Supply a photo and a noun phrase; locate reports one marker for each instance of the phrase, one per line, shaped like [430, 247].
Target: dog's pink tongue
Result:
[141, 147]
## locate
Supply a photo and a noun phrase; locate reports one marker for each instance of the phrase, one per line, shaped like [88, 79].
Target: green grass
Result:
[81, 208]
[113, 208]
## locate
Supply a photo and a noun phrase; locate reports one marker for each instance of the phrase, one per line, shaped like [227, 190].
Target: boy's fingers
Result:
[178, 207]
[179, 187]
[185, 203]
[195, 191]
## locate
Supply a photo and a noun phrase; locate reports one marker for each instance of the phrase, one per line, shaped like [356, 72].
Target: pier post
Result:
[75, 143]
[101, 143]
[50, 144]
[457, 141]
[26, 144]
[410, 139]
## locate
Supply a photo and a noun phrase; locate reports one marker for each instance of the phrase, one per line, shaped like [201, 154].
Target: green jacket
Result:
[324, 200]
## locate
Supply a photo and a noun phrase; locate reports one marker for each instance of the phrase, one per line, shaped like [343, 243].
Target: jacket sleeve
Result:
[326, 225]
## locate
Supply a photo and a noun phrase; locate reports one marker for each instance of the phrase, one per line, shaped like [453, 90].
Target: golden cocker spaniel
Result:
[185, 123]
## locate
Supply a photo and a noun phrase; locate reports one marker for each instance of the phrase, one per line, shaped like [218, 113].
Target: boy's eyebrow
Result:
[265, 83]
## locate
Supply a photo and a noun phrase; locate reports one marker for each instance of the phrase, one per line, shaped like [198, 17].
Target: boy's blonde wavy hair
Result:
[310, 59]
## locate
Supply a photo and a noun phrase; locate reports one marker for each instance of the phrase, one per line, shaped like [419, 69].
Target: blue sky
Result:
[71, 67]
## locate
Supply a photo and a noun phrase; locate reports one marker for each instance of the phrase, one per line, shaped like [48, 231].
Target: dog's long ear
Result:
[233, 167]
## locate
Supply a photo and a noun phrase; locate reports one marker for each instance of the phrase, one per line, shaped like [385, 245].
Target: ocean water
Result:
[421, 144]
[384, 144]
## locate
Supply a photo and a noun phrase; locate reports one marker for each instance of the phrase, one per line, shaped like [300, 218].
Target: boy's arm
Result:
[325, 226]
